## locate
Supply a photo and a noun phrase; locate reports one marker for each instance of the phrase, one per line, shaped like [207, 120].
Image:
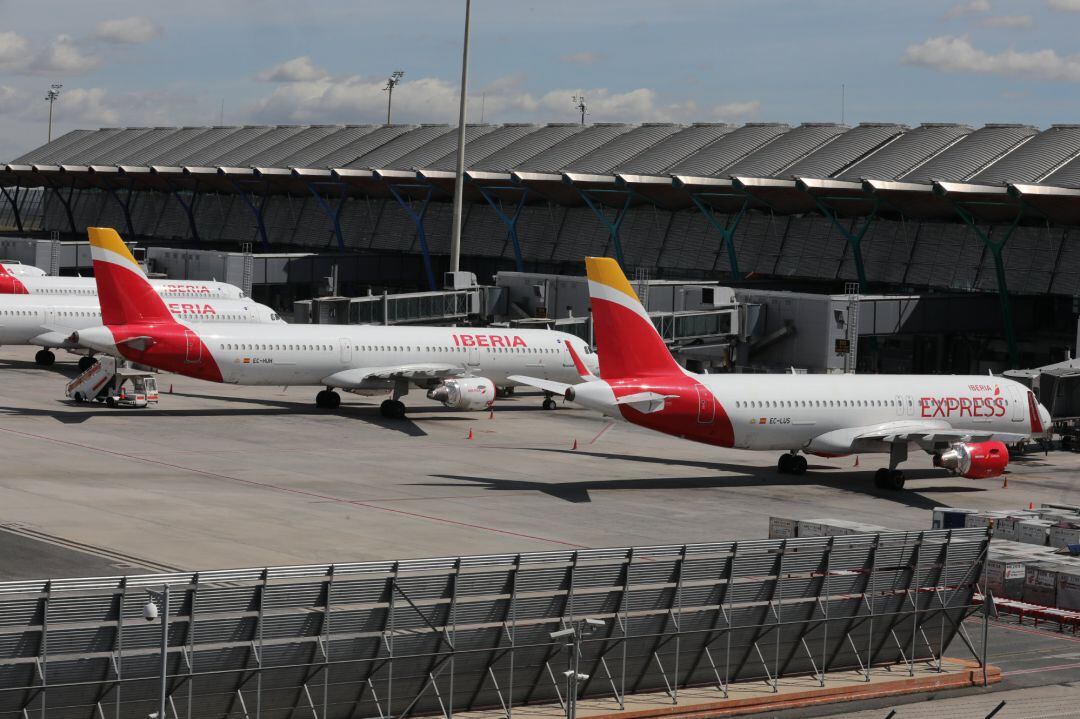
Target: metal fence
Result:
[438, 636]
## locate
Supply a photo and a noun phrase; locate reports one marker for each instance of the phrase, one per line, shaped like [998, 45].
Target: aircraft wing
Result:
[361, 376]
[546, 385]
[924, 432]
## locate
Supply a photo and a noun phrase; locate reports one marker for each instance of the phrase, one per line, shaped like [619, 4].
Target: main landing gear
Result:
[891, 477]
[791, 464]
[327, 399]
[549, 402]
[392, 409]
[45, 358]
[87, 362]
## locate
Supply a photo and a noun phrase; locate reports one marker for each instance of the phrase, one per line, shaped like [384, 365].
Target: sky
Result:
[202, 62]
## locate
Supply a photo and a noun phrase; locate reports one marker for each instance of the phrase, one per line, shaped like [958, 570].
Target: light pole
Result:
[150, 613]
[579, 104]
[391, 82]
[459, 180]
[573, 635]
[50, 97]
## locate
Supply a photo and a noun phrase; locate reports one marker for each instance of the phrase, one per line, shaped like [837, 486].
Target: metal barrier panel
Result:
[435, 636]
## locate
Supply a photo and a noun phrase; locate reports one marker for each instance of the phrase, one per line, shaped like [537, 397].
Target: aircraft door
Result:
[1016, 403]
[706, 404]
[346, 350]
[474, 357]
[193, 351]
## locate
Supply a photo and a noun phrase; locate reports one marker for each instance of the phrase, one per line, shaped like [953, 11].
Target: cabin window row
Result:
[779, 404]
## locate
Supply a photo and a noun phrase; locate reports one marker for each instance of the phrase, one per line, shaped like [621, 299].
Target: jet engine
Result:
[469, 393]
[974, 460]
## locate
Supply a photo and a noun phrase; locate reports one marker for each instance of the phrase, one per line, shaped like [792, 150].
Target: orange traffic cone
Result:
[856, 461]
[470, 435]
[1005, 481]
[575, 444]
[1031, 505]
[492, 414]
[170, 389]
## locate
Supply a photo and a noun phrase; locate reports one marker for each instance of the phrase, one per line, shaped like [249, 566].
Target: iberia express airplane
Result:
[963, 422]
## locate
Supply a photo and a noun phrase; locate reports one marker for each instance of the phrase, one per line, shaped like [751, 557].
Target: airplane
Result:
[48, 321]
[458, 366]
[963, 422]
[15, 282]
[18, 269]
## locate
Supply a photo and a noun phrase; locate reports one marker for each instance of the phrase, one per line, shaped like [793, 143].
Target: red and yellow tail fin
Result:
[125, 294]
[627, 343]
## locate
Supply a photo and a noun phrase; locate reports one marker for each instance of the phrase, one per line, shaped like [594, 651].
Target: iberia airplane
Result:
[14, 282]
[458, 366]
[18, 269]
[48, 321]
[961, 421]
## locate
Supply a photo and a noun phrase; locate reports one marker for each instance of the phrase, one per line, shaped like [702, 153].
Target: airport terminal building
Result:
[940, 209]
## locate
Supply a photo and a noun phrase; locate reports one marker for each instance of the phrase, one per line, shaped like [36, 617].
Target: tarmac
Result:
[220, 476]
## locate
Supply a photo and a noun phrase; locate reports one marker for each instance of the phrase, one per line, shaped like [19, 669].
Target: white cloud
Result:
[89, 105]
[580, 58]
[1064, 5]
[971, 7]
[14, 49]
[956, 54]
[61, 56]
[734, 111]
[128, 30]
[299, 69]
[1009, 22]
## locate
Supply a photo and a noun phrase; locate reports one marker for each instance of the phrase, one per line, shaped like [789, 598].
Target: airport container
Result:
[1034, 531]
[814, 527]
[783, 528]
[1073, 508]
[950, 517]
[1008, 528]
[1040, 584]
[1063, 534]
[1068, 588]
[1005, 576]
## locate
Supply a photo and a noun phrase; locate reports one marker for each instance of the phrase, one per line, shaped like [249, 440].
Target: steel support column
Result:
[611, 225]
[726, 230]
[996, 247]
[511, 220]
[418, 220]
[66, 202]
[189, 209]
[257, 211]
[333, 214]
[853, 238]
[125, 205]
[14, 205]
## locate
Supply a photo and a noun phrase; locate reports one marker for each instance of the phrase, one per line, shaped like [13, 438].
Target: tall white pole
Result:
[164, 652]
[459, 181]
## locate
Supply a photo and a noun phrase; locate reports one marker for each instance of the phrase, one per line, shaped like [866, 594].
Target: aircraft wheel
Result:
[798, 464]
[549, 403]
[504, 392]
[79, 397]
[881, 478]
[392, 409]
[785, 465]
[86, 363]
[110, 402]
[327, 399]
[889, 479]
[44, 358]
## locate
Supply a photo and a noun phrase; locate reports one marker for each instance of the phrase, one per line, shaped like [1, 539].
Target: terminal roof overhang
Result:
[992, 174]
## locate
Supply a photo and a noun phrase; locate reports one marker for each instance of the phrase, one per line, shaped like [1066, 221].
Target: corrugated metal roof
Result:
[907, 152]
[385, 155]
[212, 155]
[1035, 159]
[47, 152]
[512, 156]
[138, 147]
[847, 149]
[556, 158]
[306, 136]
[787, 149]
[108, 147]
[185, 141]
[610, 155]
[359, 142]
[476, 151]
[424, 155]
[673, 149]
[715, 159]
[975, 152]
[242, 155]
[1068, 175]
[82, 146]
[339, 136]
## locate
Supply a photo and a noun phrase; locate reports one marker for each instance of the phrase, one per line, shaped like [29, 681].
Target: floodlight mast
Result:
[50, 97]
[391, 82]
[579, 105]
[459, 180]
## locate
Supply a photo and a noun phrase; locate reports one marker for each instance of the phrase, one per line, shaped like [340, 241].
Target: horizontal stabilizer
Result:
[546, 385]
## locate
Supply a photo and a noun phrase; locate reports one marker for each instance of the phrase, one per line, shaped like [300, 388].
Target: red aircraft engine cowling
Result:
[975, 460]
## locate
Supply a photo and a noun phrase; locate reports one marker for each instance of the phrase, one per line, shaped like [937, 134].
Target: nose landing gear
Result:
[45, 358]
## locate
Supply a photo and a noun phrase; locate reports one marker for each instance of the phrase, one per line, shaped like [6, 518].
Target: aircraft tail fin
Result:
[124, 292]
[627, 342]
